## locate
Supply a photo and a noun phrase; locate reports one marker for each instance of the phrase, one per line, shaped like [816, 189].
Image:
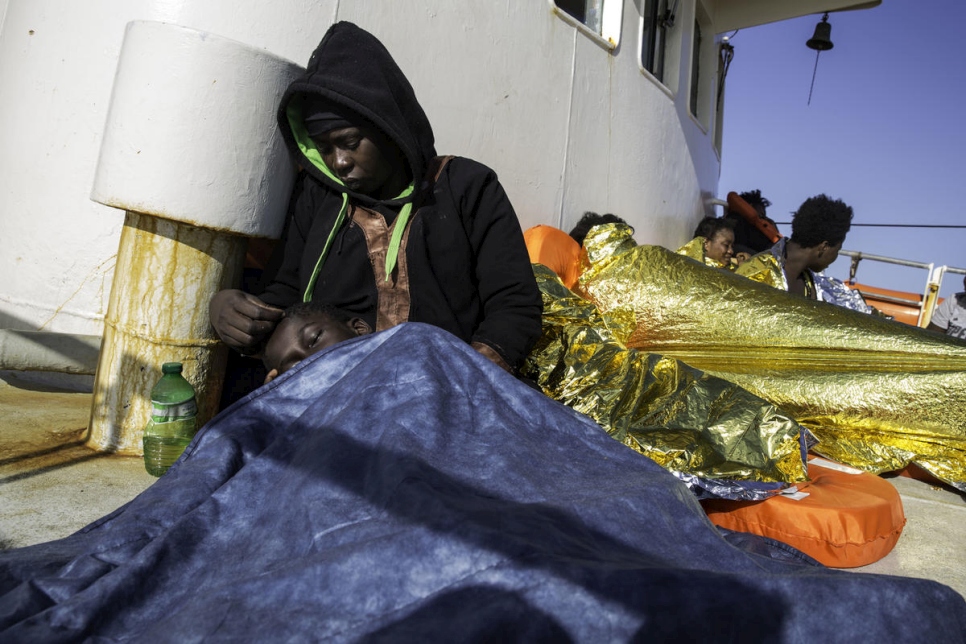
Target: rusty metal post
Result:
[193, 155]
[166, 273]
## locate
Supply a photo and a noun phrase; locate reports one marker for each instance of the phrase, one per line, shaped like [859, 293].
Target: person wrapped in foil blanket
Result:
[877, 394]
[717, 437]
[768, 268]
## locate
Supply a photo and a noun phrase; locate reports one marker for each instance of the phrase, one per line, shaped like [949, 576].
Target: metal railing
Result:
[925, 303]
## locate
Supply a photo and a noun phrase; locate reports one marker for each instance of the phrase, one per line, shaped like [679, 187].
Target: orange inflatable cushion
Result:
[847, 520]
[738, 205]
[556, 250]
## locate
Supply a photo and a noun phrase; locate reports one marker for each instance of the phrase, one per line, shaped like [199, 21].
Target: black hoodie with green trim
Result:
[469, 271]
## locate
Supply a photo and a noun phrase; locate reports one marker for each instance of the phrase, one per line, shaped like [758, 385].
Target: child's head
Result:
[305, 329]
[588, 221]
[756, 201]
[821, 219]
[742, 253]
[820, 226]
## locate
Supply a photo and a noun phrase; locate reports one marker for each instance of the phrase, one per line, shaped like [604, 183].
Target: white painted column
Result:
[192, 153]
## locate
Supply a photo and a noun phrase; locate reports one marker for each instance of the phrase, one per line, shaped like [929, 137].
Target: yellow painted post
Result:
[931, 296]
[165, 276]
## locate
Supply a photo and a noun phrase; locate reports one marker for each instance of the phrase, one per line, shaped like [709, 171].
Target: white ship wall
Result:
[568, 125]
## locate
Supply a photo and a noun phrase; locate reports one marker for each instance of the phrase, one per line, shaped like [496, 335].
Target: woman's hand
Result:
[242, 320]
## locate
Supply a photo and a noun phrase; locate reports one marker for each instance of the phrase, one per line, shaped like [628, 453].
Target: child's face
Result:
[742, 257]
[296, 338]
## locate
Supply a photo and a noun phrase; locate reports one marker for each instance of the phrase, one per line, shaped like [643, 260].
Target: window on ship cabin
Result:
[586, 11]
[725, 54]
[704, 51]
[656, 20]
[599, 18]
[695, 67]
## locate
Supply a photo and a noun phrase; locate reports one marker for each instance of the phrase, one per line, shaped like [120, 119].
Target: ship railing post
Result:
[931, 296]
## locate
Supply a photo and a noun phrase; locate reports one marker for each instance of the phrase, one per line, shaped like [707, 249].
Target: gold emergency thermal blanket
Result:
[878, 394]
[689, 422]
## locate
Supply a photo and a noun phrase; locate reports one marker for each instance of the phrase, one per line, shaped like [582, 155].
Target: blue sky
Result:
[884, 130]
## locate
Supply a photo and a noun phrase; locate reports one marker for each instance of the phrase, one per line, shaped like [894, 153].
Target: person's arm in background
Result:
[512, 305]
[941, 316]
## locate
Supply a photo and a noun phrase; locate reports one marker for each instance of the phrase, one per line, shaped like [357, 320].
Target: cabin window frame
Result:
[720, 85]
[653, 40]
[673, 38]
[611, 21]
[702, 70]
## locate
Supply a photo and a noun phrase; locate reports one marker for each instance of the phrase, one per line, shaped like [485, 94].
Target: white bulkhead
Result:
[568, 118]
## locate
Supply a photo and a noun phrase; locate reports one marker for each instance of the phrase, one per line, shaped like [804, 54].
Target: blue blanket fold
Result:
[399, 487]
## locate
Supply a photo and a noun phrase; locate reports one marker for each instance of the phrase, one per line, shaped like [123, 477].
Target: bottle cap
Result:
[171, 367]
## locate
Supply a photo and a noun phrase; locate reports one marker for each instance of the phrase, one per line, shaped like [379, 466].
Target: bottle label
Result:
[162, 412]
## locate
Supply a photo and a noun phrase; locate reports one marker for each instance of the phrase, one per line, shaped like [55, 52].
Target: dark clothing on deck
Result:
[462, 265]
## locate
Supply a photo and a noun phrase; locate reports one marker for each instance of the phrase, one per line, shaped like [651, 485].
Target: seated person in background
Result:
[877, 394]
[305, 329]
[712, 243]
[382, 226]
[706, 227]
[588, 221]
[795, 265]
[560, 251]
[950, 316]
[753, 228]
[556, 250]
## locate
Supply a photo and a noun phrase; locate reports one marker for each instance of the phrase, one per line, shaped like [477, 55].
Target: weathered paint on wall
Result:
[167, 272]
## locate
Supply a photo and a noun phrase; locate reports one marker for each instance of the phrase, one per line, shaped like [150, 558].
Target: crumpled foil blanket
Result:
[878, 394]
[718, 438]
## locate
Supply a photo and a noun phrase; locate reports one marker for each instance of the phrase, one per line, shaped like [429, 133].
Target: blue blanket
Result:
[399, 487]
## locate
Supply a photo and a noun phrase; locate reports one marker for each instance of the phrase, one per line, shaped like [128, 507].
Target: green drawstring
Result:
[397, 231]
[311, 152]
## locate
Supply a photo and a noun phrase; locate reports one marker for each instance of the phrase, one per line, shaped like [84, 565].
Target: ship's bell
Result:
[821, 40]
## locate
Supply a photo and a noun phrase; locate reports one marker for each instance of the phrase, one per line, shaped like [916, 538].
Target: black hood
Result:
[351, 68]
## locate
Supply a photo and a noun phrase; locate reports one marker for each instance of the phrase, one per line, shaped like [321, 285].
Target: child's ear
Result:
[270, 376]
[360, 326]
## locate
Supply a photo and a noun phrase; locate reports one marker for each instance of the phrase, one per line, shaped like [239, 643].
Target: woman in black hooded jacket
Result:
[380, 225]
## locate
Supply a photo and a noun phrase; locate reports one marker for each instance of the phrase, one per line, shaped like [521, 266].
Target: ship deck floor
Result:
[52, 485]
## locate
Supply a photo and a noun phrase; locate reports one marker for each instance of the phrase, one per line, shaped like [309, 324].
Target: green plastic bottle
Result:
[172, 424]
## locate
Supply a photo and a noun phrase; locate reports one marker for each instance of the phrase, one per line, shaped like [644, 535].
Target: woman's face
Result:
[720, 246]
[364, 161]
